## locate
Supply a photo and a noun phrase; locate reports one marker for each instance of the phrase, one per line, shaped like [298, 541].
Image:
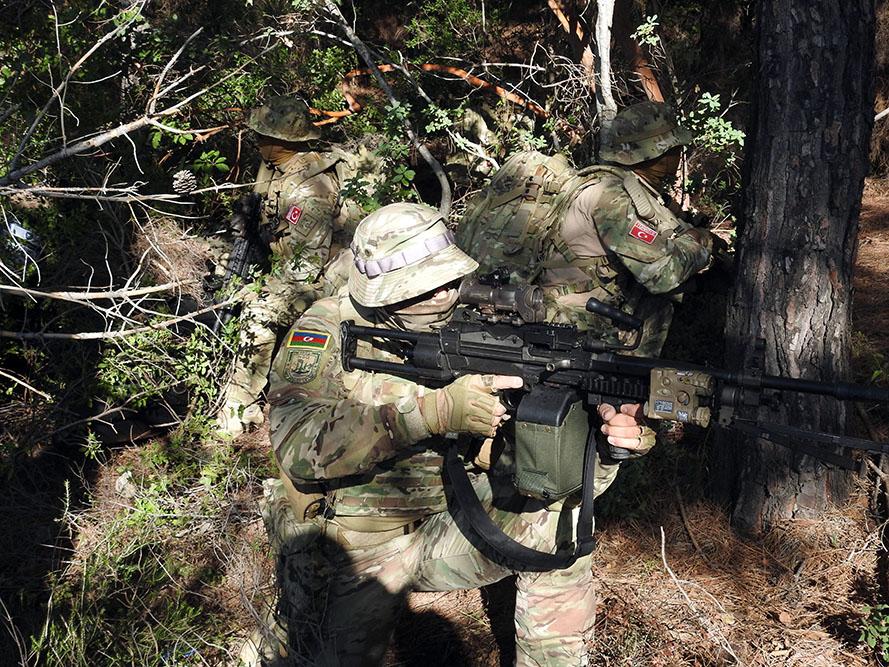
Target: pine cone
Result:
[184, 182]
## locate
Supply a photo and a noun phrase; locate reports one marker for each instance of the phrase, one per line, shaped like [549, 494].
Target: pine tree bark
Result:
[804, 176]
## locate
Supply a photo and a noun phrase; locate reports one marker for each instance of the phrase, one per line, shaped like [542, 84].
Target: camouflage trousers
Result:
[340, 596]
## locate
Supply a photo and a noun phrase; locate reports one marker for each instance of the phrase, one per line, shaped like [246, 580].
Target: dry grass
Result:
[170, 254]
[792, 598]
[169, 560]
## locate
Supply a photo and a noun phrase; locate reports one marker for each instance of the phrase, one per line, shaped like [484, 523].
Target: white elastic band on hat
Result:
[410, 255]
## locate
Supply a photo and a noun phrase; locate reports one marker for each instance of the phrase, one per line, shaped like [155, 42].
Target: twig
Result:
[15, 634]
[705, 622]
[91, 296]
[881, 115]
[152, 102]
[25, 384]
[110, 335]
[444, 206]
[104, 137]
[57, 92]
[685, 523]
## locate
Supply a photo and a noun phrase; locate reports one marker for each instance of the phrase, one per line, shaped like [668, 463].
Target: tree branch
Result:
[79, 297]
[444, 206]
[110, 335]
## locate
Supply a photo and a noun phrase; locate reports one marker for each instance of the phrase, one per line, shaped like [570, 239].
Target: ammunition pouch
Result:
[551, 431]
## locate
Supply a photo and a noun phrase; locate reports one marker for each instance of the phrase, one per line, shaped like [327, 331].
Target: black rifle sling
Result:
[519, 556]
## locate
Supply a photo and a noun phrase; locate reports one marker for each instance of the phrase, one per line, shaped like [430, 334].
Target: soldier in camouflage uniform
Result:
[601, 231]
[299, 182]
[359, 516]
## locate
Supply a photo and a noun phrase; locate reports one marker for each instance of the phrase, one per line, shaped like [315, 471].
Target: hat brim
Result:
[410, 281]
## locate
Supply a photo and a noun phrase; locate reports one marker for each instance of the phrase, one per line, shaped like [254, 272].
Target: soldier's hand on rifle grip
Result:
[626, 430]
[467, 405]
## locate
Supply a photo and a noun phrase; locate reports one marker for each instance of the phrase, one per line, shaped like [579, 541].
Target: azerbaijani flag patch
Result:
[312, 340]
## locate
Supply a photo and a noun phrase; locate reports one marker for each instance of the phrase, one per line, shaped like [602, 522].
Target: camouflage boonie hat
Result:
[643, 132]
[401, 251]
[284, 117]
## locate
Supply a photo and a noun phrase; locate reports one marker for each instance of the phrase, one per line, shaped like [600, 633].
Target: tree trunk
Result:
[804, 175]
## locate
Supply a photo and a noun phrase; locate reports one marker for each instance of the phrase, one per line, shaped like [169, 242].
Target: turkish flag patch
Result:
[643, 232]
[294, 213]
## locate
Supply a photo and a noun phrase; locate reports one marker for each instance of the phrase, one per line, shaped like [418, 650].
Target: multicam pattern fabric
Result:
[356, 438]
[642, 132]
[598, 250]
[301, 206]
[395, 244]
[338, 602]
[605, 234]
[282, 300]
[337, 424]
[284, 117]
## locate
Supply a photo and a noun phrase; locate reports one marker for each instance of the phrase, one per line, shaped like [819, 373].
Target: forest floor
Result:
[676, 586]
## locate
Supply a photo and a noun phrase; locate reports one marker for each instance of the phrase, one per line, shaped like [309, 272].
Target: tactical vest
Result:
[290, 176]
[511, 221]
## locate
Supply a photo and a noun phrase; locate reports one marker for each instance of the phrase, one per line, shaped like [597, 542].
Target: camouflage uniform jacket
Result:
[616, 230]
[301, 207]
[614, 238]
[358, 436]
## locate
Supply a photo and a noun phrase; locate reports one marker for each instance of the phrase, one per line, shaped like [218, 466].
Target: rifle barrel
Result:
[842, 390]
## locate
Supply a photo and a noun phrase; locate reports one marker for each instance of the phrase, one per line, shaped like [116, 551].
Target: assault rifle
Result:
[566, 372]
[249, 249]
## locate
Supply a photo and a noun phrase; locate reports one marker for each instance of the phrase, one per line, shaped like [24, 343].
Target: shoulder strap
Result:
[516, 555]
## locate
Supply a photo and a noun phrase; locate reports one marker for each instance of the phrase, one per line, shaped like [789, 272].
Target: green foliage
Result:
[714, 179]
[447, 27]
[142, 591]
[437, 118]
[210, 162]
[646, 33]
[325, 67]
[144, 367]
[875, 630]
[713, 132]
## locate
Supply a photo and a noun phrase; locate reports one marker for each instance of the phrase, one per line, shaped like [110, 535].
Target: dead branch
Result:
[125, 129]
[579, 39]
[59, 90]
[78, 297]
[446, 196]
[24, 384]
[705, 622]
[111, 335]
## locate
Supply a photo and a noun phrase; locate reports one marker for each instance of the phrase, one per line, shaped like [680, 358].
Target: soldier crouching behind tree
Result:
[360, 517]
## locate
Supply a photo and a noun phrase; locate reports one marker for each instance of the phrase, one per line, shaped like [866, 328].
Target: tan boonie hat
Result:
[642, 132]
[401, 251]
[285, 117]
